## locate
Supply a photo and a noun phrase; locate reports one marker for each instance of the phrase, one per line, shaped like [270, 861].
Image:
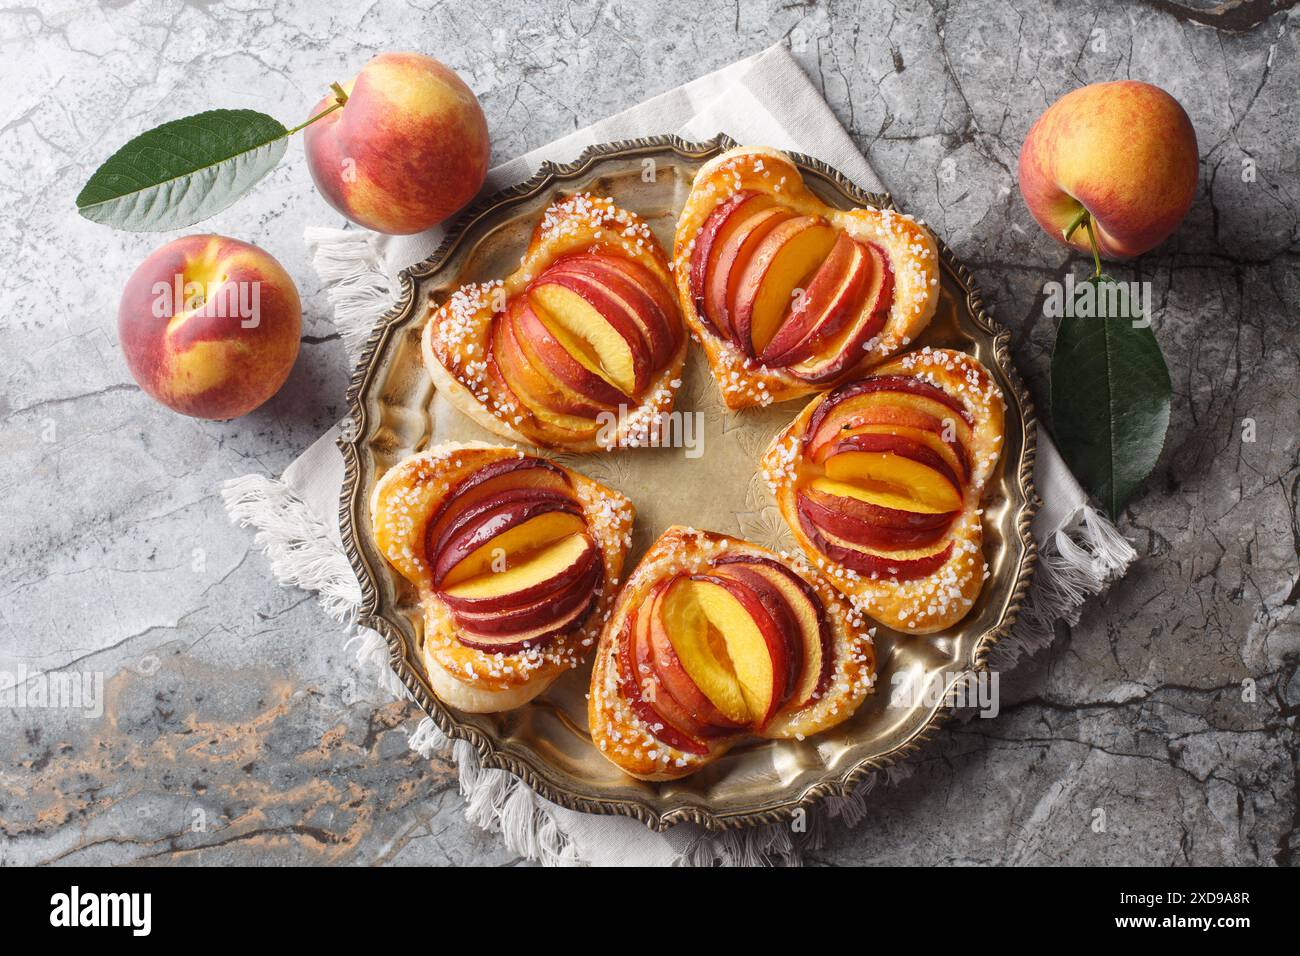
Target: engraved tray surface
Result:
[395, 411]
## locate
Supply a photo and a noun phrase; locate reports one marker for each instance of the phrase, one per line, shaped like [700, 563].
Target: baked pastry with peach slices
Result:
[881, 479]
[580, 348]
[515, 559]
[787, 295]
[714, 640]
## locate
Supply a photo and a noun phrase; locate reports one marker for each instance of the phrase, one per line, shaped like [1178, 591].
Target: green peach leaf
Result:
[1110, 397]
[184, 171]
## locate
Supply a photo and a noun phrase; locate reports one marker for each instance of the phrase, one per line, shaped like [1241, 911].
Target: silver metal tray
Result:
[396, 412]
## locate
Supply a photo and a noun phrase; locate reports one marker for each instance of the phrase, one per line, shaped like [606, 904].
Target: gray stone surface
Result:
[236, 728]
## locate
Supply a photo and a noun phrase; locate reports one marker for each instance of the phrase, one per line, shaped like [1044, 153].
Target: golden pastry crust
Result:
[904, 243]
[404, 502]
[942, 597]
[462, 335]
[632, 737]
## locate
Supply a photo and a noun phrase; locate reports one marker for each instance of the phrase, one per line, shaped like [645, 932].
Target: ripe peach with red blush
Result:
[210, 326]
[408, 148]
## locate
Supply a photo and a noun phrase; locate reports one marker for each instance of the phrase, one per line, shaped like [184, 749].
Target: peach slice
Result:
[654, 661]
[581, 576]
[555, 609]
[842, 352]
[608, 345]
[554, 604]
[901, 566]
[702, 653]
[484, 517]
[892, 472]
[539, 393]
[901, 446]
[504, 474]
[952, 453]
[795, 613]
[829, 303]
[529, 636]
[758, 651]
[709, 239]
[876, 414]
[817, 651]
[652, 285]
[898, 387]
[885, 408]
[509, 534]
[759, 218]
[556, 539]
[572, 379]
[523, 468]
[566, 426]
[616, 300]
[852, 525]
[881, 507]
[678, 697]
[636, 680]
[864, 410]
[623, 292]
[716, 235]
[780, 263]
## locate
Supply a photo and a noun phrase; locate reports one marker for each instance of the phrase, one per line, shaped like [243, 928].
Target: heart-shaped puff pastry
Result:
[787, 295]
[515, 560]
[881, 479]
[580, 348]
[714, 640]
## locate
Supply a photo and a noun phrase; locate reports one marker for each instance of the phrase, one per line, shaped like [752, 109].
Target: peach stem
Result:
[1096, 253]
[340, 98]
[1084, 218]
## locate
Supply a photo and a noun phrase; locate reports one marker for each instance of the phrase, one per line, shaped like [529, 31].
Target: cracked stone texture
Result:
[236, 728]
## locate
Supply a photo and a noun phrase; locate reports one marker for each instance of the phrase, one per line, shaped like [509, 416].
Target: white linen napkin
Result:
[765, 99]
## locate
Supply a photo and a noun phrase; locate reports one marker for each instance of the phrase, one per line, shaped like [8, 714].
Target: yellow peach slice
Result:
[543, 564]
[586, 335]
[702, 654]
[513, 547]
[540, 394]
[710, 248]
[953, 425]
[741, 249]
[792, 265]
[879, 497]
[888, 472]
[746, 647]
[930, 439]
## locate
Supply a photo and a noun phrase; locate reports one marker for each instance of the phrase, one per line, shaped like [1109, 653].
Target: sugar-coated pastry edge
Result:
[743, 382]
[456, 339]
[944, 597]
[623, 737]
[469, 678]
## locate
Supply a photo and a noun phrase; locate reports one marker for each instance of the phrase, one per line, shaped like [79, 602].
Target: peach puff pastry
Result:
[881, 480]
[580, 348]
[713, 640]
[516, 562]
[787, 295]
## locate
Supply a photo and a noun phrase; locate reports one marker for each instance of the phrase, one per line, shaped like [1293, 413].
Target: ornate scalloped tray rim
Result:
[489, 753]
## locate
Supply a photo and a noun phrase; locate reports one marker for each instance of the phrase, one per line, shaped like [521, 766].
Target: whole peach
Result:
[408, 148]
[210, 326]
[1125, 151]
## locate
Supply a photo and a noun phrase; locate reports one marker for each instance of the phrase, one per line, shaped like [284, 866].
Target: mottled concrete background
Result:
[235, 726]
